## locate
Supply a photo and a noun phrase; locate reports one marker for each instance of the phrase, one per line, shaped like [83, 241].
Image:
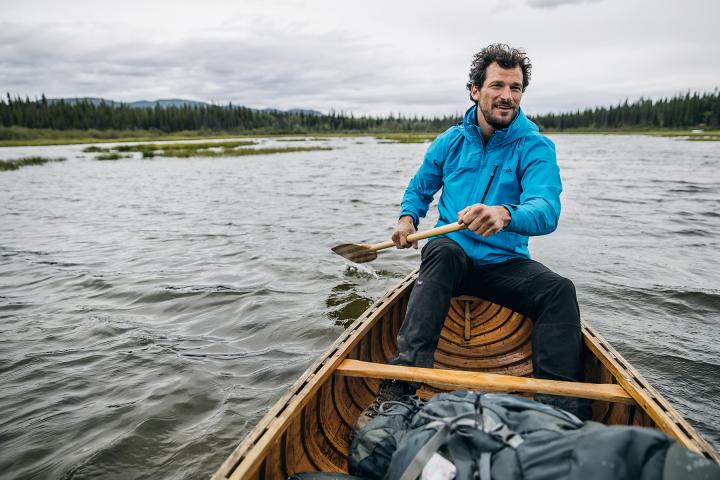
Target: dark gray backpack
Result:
[503, 437]
[372, 447]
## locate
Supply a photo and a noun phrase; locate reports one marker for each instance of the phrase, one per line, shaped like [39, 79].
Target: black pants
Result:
[525, 286]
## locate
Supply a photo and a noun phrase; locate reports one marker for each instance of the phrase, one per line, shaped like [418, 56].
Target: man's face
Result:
[499, 98]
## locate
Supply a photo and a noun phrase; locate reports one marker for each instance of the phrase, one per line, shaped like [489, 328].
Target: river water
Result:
[151, 311]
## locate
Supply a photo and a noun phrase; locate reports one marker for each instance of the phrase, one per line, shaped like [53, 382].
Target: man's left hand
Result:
[485, 220]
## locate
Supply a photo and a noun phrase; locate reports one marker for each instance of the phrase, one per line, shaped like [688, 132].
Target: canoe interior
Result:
[309, 427]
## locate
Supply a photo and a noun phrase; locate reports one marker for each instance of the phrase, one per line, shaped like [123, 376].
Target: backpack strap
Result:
[485, 472]
[444, 428]
[491, 424]
[499, 431]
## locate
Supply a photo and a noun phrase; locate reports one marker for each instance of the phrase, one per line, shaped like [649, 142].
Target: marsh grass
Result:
[304, 139]
[18, 163]
[406, 137]
[199, 149]
[32, 137]
[183, 146]
[95, 149]
[266, 151]
[21, 136]
[110, 156]
[233, 152]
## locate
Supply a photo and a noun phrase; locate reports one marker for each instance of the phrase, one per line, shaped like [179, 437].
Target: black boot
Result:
[390, 390]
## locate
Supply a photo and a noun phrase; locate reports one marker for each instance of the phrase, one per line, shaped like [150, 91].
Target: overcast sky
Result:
[365, 57]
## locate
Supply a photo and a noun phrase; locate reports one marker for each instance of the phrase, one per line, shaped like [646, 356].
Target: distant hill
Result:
[167, 102]
[170, 102]
[294, 111]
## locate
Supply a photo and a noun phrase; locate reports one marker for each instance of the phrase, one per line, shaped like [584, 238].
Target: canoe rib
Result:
[485, 382]
[499, 343]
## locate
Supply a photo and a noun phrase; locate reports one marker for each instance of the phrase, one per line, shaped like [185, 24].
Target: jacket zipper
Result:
[487, 188]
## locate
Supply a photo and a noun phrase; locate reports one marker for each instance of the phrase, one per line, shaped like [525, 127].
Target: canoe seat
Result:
[486, 382]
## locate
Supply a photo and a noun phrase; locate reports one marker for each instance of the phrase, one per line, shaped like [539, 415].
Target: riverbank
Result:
[25, 137]
[693, 135]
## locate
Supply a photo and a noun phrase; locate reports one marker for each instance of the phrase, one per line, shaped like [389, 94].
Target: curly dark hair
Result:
[505, 56]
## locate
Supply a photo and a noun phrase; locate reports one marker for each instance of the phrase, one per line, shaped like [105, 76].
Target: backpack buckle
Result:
[503, 433]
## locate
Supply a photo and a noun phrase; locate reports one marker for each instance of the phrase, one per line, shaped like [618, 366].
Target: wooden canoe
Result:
[483, 346]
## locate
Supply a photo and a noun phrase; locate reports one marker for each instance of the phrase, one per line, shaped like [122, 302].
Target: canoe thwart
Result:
[488, 382]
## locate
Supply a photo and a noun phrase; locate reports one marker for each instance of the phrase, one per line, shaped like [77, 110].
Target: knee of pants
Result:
[443, 261]
[443, 250]
[558, 293]
[565, 288]
[552, 284]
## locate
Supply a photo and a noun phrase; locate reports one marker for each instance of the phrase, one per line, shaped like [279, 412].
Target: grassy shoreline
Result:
[26, 137]
[628, 131]
[17, 137]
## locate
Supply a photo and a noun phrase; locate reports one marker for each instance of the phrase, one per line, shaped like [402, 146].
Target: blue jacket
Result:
[517, 168]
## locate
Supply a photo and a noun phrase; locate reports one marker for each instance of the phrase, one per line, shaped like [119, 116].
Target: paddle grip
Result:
[433, 232]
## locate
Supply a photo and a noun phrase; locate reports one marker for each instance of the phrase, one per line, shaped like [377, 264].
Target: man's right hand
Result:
[404, 228]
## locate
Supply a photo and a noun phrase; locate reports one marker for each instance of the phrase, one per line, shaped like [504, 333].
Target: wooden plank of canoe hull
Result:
[273, 437]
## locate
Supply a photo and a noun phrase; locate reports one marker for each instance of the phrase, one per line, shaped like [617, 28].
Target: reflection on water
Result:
[345, 305]
[152, 310]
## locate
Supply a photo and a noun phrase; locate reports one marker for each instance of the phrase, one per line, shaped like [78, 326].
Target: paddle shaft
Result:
[433, 232]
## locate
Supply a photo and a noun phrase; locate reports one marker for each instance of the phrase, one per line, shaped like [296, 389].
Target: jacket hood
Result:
[520, 127]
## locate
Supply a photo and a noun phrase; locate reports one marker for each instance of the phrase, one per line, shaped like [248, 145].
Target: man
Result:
[499, 177]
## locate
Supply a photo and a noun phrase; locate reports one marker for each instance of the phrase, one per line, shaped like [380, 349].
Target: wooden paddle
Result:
[487, 382]
[362, 252]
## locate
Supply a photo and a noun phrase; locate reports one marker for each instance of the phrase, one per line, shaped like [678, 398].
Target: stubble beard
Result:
[498, 123]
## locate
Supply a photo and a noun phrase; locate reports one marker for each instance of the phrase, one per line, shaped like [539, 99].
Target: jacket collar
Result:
[521, 126]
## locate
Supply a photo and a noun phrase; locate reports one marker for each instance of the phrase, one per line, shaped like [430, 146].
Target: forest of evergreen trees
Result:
[84, 115]
[682, 111]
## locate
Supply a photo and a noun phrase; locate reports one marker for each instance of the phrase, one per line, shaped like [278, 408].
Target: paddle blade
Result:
[355, 253]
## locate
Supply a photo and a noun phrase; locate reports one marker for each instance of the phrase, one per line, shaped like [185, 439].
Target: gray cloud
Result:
[557, 3]
[259, 68]
[374, 57]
